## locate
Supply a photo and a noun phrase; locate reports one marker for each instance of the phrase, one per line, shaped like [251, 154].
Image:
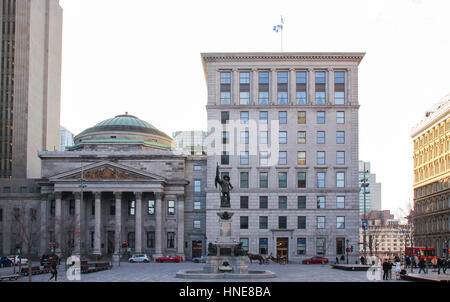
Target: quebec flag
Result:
[279, 27]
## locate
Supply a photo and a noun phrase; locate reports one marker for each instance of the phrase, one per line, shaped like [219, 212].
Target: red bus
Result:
[427, 253]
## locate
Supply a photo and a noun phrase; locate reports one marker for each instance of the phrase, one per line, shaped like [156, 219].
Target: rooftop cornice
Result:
[440, 112]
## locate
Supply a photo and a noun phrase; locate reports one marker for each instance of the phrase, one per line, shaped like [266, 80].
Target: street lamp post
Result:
[346, 249]
[364, 186]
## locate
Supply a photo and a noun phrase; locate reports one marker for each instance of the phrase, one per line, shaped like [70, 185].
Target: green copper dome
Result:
[124, 122]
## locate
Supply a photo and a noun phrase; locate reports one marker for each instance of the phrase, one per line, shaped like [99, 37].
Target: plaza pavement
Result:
[165, 272]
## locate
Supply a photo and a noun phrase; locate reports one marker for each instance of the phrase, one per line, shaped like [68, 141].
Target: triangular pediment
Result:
[106, 171]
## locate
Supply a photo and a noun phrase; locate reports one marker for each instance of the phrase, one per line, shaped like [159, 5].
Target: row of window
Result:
[283, 179]
[283, 202]
[282, 117]
[283, 222]
[283, 158]
[282, 94]
[320, 244]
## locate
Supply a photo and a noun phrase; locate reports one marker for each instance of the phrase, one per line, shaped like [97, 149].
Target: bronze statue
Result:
[238, 250]
[212, 249]
[225, 188]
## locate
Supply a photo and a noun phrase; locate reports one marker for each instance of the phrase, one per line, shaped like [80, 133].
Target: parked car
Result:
[170, 258]
[139, 258]
[201, 259]
[16, 259]
[315, 260]
[5, 262]
[49, 258]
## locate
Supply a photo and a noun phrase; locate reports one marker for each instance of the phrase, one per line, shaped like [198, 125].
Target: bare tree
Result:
[25, 225]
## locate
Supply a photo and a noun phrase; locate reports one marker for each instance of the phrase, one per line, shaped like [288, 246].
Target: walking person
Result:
[407, 261]
[444, 265]
[397, 270]
[385, 269]
[342, 258]
[54, 271]
[416, 261]
[390, 269]
[422, 266]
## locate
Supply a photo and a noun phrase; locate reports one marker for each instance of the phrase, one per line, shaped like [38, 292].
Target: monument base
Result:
[220, 264]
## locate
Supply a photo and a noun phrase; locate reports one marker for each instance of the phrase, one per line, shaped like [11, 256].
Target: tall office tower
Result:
[192, 142]
[284, 127]
[375, 193]
[30, 82]
[66, 139]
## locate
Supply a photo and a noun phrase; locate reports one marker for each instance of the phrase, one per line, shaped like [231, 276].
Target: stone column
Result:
[254, 87]
[180, 225]
[118, 227]
[44, 241]
[158, 227]
[235, 87]
[139, 223]
[77, 229]
[292, 87]
[98, 224]
[273, 87]
[58, 223]
[310, 84]
[330, 86]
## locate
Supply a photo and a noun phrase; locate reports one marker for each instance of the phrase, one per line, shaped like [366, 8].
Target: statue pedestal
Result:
[226, 264]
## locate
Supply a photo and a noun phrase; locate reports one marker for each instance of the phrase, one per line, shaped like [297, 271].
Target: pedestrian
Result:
[390, 269]
[422, 266]
[416, 261]
[54, 271]
[444, 265]
[439, 265]
[337, 260]
[342, 258]
[397, 270]
[362, 259]
[385, 269]
[408, 261]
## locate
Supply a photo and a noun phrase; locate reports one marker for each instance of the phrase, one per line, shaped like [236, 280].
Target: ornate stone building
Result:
[120, 182]
[431, 139]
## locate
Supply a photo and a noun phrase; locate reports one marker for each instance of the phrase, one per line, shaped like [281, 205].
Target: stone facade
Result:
[275, 228]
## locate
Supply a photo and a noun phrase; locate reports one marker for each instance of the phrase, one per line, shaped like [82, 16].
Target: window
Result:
[340, 179]
[320, 117]
[197, 185]
[23, 189]
[301, 179]
[263, 117]
[340, 222]
[170, 240]
[263, 202]
[150, 240]
[131, 238]
[340, 157]
[339, 87]
[263, 97]
[301, 202]
[244, 158]
[282, 179]
[112, 208]
[282, 83]
[282, 222]
[321, 157]
[225, 88]
[301, 157]
[340, 202]
[263, 158]
[320, 137]
[225, 137]
[282, 117]
[71, 207]
[282, 202]
[263, 87]
[244, 137]
[320, 88]
[244, 222]
[301, 246]
[301, 137]
[244, 202]
[171, 207]
[301, 87]
[6, 189]
[263, 222]
[320, 246]
[197, 168]
[244, 117]
[321, 179]
[301, 222]
[244, 242]
[263, 246]
[244, 179]
[340, 117]
[264, 137]
[321, 202]
[131, 207]
[282, 157]
[340, 137]
[282, 137]
[301, 117]
[340, 244]
[263, 179]
[320, 222]
[197, 224]
[225, 158]
[300, 97]
[224, 116]
[244, 88]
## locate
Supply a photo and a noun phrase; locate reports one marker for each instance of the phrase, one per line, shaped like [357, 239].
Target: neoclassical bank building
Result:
[120, 181]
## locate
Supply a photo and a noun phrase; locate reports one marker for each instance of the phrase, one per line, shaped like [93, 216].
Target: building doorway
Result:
[282, 247]
[197, 248]
[110, 246]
